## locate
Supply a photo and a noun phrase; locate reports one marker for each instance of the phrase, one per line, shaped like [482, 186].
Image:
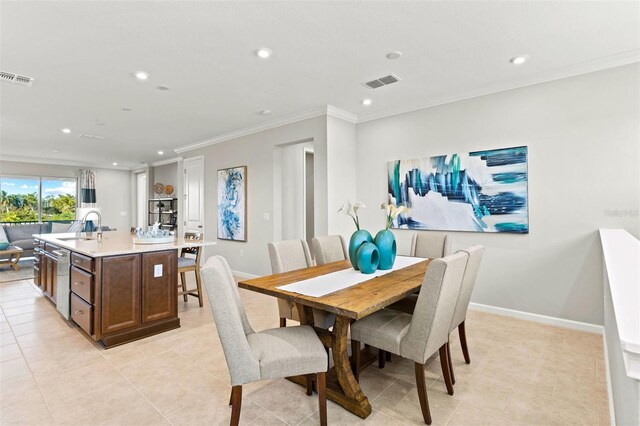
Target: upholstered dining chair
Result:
[189, 261]
[331, 248]
[266, 355]
[462, 304]
[420, 335]
[288, 256]
[430, 245]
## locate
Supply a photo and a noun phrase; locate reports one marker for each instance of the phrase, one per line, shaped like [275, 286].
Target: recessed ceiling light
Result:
[264, 53]
[160, 152]
[115, 164]
[162, 87]
[127, 109]
[141, 75]
[519, 60]
[394, 55]
[66, 130]
[266, 112]
[366, 102]
[54, 150]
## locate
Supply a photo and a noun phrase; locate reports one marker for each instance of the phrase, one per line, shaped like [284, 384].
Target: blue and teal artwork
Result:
[481, 191]
[232, 204]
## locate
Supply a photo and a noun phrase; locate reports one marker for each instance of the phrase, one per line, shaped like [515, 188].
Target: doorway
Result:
[194, 194]
[308, 195]
[141, 200]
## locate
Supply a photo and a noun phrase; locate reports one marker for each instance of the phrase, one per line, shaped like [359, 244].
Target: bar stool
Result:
[188, 261]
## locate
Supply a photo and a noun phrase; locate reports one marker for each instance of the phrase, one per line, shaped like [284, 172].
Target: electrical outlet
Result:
[123, 213]
[157, 270]
[265, 216]
[241, 252]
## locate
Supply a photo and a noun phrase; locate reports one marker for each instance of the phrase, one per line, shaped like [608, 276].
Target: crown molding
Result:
[607, 62]
[56, 162]
[271, 124]
[167, 161]
[341, 114]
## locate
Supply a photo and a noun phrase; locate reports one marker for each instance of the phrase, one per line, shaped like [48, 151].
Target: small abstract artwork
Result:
[481, 191]
[232, 204]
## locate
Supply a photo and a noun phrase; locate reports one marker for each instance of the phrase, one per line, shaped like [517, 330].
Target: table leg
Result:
[342, 386]
[14, 263]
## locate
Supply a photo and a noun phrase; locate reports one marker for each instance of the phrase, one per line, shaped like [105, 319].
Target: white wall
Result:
[113, 188]
[256, 151]
[584, 155]
[341, 179]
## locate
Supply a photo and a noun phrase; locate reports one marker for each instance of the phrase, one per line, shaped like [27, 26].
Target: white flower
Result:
[395, 211]
[358, 205]
[348, 209]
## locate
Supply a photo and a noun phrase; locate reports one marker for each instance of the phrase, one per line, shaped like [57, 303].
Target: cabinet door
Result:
[120, 303]
[159, 285]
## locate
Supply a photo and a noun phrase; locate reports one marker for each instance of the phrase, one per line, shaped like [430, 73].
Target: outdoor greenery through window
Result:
[33, 199]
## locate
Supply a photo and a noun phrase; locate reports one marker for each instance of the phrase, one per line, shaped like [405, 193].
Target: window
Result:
[34, 199]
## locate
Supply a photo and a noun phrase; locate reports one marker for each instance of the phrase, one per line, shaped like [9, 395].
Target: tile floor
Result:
[51, 373]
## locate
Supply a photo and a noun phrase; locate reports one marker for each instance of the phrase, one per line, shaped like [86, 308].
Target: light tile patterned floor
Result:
[50, 373]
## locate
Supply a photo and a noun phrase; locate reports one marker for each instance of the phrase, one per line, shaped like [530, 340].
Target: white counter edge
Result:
[621, 252]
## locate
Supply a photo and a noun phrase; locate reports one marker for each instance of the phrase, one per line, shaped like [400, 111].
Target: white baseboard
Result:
[612, 414]
[245, 275]
[543, 319]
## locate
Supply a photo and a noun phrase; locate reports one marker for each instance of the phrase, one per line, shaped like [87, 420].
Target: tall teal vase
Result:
[386, 243]
[368, 258]
[357, 239]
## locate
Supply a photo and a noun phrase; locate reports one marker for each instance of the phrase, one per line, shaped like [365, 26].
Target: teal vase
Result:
[386, 243]
[357, 239]
[368, 258]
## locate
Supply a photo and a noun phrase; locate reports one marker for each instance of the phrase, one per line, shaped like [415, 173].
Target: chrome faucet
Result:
[99, 231]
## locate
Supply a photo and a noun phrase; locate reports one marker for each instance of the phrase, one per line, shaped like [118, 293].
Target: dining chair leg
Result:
[283, 322]
[422, 393]
[453, 376]
[322, 397]
[446, 373]
[463, 342]
[309, 382]
[183, 280]
[355, 356]
[236, 403]
[199, 287]
[381, 358]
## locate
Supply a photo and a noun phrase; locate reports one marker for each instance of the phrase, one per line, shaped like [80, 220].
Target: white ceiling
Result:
[82, 55]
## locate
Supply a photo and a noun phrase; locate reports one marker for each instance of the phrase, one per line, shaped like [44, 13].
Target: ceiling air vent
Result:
[382, 81]
[16, 78]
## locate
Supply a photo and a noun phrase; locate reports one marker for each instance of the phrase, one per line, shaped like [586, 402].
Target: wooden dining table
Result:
[348, 305]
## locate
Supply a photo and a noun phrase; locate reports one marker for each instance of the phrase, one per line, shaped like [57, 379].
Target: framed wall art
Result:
[232, 204]
[481, 191]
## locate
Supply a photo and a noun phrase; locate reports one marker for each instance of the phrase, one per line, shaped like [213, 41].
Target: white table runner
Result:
[336, 281]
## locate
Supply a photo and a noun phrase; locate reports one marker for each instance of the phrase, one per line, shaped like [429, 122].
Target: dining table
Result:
[348, 304]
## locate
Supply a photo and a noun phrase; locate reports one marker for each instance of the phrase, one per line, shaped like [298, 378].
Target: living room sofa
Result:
[21, 235]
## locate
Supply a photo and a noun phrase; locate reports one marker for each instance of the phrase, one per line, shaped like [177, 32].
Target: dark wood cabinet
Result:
[120, 305]
[159, 292]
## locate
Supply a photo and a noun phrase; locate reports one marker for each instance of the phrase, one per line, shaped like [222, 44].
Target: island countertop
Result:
[113, 243]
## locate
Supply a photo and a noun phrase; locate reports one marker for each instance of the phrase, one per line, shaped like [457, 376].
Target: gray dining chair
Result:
[418, 336]
[331, 248]
[462, 305]
[266, 355]
[291, 255]
[430, 245]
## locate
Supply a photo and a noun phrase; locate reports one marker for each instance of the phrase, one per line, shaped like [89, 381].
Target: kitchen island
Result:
[115, 290]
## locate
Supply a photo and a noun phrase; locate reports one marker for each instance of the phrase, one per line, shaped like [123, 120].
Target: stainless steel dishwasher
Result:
[61, 258]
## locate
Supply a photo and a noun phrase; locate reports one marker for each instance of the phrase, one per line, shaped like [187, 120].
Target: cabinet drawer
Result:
[82, 313]
[83, 262]
[82, 284]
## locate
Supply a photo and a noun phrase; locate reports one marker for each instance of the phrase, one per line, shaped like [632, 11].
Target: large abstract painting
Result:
[482, 191]
[232, 204]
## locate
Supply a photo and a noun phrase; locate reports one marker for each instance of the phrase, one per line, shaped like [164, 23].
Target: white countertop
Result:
[113, 243]
[622, 260]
